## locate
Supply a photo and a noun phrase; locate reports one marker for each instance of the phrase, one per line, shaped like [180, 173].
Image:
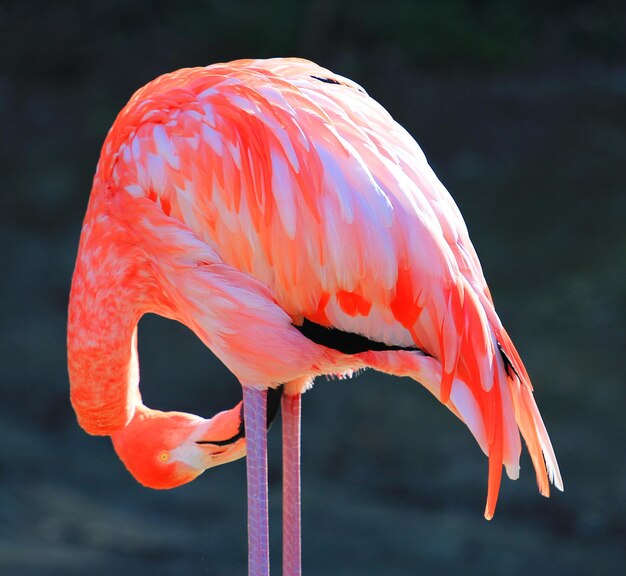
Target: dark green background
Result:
[521, 109]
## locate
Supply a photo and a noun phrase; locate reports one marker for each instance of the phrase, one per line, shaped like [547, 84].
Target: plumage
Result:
[245, 198]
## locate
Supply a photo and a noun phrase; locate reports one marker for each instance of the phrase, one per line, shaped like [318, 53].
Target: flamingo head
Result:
[167, 449]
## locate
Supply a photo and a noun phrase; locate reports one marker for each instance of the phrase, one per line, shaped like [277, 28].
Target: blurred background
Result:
[520, 108]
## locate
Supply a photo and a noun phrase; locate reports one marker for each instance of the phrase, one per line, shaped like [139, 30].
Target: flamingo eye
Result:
[164, 456]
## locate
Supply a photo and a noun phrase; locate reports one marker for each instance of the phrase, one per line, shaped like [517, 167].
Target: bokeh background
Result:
[520, 108]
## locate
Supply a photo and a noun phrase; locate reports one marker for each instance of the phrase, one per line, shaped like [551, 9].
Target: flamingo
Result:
[280, 213]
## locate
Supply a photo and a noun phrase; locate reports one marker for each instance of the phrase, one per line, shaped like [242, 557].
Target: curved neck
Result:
[106, 301]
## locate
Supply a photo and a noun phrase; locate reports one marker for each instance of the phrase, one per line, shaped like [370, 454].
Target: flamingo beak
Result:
[223, 437]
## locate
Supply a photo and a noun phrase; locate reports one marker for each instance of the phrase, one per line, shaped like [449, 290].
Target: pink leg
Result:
[254, 405]
[291, 485]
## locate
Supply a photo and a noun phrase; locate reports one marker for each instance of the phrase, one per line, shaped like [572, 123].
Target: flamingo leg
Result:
[291, 485]
[254, 403]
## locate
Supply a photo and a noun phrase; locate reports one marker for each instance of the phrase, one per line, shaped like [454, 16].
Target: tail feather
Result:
[496, 450]
[502, 388]
[483, 381]
[528, 418]
[527, 414]
[512, 446]
[554, 474]
[542, 452]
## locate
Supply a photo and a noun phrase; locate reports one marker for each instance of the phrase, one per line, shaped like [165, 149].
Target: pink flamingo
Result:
[280, 213]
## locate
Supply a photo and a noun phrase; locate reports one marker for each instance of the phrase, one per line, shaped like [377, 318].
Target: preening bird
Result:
[281, 214]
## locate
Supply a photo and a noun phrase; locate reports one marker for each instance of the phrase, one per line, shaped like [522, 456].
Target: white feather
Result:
[164, 147]
[284, 192]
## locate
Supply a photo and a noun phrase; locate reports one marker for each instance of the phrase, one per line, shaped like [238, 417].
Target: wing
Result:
[295, 176]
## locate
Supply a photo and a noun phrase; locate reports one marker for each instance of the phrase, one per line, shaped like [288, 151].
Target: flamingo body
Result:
[250, 200]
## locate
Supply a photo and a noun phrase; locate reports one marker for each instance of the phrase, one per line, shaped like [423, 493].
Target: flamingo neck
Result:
[110, 292]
